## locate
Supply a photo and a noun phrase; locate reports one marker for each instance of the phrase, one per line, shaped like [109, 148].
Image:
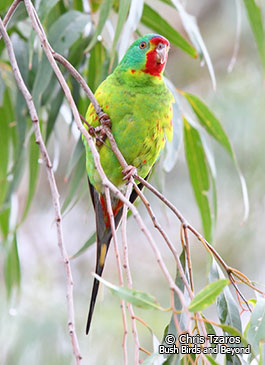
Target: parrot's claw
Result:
[105, 120]
[129, 172]
[99, 131]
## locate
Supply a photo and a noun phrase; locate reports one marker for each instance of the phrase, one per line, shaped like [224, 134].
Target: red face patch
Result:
[152, 67]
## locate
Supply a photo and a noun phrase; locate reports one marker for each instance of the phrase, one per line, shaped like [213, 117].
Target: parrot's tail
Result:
[104, 236]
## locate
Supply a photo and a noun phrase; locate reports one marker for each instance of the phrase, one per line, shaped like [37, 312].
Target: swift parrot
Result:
[140, 109]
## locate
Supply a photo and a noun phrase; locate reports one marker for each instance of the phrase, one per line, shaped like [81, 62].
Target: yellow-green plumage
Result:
[139, 106]
[140, 109]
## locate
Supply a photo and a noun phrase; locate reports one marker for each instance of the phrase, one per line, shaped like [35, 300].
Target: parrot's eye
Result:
[142, 45]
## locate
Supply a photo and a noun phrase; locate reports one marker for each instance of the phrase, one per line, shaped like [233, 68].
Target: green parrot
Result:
[140, 109]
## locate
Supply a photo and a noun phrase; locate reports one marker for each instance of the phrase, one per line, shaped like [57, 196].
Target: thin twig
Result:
[183, 221]
[126, 266]
[54, 191]
[166, 238]
[118, 260]
[187, 245]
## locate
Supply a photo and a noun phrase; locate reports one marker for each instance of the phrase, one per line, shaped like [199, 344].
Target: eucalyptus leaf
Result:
[79, 172]
[123, 12]
[135, 14]
[154, 21]
[34, 153]
[135, 297]
[62, 35]
[207, 295]
[92, 239]
[227, 309]
[256, 331]
[12, 266]
[6, 117]
[192, 29]
[45, 7]
[103, 16]
[255, 20]
[78, 151]
[213, 126]
[5, 4]
[199, 176]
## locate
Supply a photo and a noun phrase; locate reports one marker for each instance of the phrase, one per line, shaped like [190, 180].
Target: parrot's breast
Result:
[140, 119]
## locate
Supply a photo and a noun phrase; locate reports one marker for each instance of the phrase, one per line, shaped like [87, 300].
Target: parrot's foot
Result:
[129, 172]
[105, 120]
[99, 131]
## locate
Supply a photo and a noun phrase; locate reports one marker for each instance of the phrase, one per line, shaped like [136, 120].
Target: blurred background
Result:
[33, 327]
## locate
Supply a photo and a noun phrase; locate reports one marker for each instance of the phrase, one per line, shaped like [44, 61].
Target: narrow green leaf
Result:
[17, 172]
[123, 12]
[4, 221]
[198, 171]
[192, 29]
[78, 151]
[53, 113]
[209, 330]
[209, 121]
[79, 172]
[95, 4]
[4, 5]
[62, 35]
[34, 153]
[78, 5]
[261, 352]
[96, 61]
[227, 308]
[234, 332]
[210, 359]
[92, 239]
[255, 19]
[171, 327]
[213, 126]
[2, 84]
[134, 17]
[76, 55]
[207, 295]
[103, 16]
[256, 332]
[135, 297]
[18, 15]
[6, 116]
[45, 7]
[177, 303]
[12, 266]
[154, 21]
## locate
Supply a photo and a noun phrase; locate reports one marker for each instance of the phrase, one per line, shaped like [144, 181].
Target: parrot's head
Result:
[147, 54]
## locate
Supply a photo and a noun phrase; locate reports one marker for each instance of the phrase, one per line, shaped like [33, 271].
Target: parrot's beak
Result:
[161, 53]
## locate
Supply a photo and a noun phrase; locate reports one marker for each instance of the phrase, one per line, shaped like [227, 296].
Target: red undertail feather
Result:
[104, 207]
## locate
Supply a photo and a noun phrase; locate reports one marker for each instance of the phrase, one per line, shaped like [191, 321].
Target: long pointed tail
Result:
[103, 239]
[104, 236]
